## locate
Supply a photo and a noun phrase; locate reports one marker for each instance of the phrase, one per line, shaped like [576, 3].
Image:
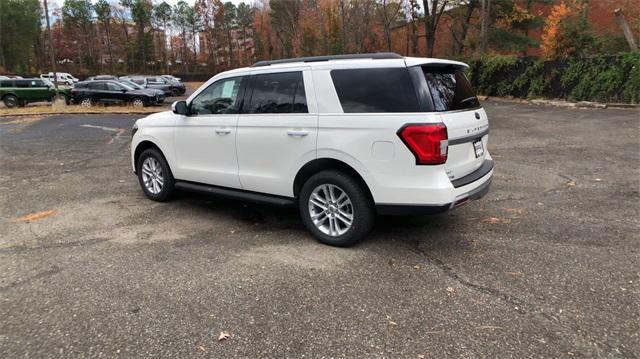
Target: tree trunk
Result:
[625, 29]
[465, 24]
[485, 24]
[106, 29]
[164, 48]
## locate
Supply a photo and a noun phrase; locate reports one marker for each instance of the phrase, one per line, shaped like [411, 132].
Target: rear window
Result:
[450, 89]
[375, 90]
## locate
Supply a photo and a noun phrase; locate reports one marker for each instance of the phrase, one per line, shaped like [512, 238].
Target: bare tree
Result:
[432, 15]
[389, 14]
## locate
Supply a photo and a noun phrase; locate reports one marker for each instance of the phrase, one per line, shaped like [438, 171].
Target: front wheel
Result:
[137, 102]
[154, 175]
[336, 208]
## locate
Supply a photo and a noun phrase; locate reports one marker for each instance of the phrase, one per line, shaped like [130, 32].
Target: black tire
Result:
[168, 187]
[362, 206]
[10, 101]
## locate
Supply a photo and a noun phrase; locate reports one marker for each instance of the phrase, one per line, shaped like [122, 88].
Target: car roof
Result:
[382, 59]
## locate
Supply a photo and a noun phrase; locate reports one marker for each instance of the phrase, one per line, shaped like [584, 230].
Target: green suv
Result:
[14, 92]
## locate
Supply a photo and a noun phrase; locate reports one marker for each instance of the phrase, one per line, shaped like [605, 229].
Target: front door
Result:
[205, 139]
[277, 130]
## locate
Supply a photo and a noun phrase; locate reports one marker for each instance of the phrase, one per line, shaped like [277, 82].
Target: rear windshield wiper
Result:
[468, 99]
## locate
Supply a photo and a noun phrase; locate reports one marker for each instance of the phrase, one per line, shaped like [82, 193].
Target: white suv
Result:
[342, 137]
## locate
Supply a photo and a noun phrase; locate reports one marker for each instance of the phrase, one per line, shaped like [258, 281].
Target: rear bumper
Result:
[469, 188]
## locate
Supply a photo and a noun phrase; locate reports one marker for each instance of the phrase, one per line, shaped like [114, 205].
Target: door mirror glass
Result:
[179, 107]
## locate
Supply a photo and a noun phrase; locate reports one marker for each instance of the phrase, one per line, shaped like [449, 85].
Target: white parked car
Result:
[342, 137]
[61, 78]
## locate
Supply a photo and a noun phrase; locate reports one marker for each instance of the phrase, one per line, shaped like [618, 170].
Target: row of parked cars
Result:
[105, 89]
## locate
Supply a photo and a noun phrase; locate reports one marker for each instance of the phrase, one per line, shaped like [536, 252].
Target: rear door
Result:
[98, 92]
[277, 130]
[453, 98]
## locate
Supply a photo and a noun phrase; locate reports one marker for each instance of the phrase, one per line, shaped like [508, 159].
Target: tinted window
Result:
[450, 89]
[114, 87]
[99, 86]
[278, 93]
[37, 83]
[219, 98]
[22, 84]
[375, 90]
[6, 83]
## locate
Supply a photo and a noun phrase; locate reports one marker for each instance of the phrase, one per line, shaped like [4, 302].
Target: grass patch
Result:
[57, 108]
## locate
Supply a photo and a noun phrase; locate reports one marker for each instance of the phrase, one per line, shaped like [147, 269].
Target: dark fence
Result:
[600, 78]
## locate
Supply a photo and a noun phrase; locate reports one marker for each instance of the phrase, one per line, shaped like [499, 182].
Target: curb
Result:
[561, 103]
[76, 113]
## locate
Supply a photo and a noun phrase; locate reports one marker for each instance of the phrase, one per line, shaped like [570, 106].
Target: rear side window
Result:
[281, 92]
[22, 84]
[375, 90]
[450, 89]
[100, 86]
[6, 83]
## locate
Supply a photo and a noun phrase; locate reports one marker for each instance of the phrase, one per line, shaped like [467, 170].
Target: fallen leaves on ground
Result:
[36, 216]
[202, 348]
[497, 220]
[571, 183]
[450, 289]
[224, 336]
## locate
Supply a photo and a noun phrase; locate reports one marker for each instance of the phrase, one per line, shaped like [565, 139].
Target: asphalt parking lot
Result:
[547, 265]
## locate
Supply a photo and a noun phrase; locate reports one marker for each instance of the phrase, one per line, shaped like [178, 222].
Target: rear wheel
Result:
[336, 208]
[154, 175]
[10, 101]
[86, 102]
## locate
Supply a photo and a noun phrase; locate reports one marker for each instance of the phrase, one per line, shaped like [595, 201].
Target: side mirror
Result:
[179, 107]
[124, 90]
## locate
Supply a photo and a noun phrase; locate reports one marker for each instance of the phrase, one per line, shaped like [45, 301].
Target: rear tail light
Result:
[427, 142]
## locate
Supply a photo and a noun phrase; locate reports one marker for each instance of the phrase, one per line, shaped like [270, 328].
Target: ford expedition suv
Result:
[343, 138]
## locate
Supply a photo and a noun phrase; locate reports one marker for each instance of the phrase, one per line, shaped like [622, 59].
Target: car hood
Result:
[165, 118]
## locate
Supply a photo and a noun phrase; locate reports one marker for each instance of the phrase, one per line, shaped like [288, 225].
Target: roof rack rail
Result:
[373, 56]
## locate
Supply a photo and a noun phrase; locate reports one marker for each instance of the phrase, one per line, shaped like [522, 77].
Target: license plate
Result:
[478, 148]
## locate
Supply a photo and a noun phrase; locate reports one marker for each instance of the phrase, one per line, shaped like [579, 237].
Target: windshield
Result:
[131, 84]
[126, 86]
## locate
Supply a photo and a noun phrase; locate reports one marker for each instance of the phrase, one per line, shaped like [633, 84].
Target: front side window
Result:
[22, 84]
[221, 97]
[114, 87]
[281, 92]
[375, 90]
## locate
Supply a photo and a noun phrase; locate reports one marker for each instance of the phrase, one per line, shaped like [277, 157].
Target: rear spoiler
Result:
[418, 61]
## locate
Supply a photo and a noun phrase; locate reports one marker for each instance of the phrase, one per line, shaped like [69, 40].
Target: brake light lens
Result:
[427, 142]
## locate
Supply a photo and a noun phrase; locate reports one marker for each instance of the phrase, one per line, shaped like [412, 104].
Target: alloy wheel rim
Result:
[152, 175]
[85, 103]
[331, 210]
[137, 102]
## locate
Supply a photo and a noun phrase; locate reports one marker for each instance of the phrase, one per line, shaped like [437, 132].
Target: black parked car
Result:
[159, 94]
[171, 88]
[142, 81]
[87, 93]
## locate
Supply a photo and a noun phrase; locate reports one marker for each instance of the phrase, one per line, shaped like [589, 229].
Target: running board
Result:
[235, 194]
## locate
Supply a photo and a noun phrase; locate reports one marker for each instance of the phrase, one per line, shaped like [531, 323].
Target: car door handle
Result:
[223, 131]
[297, 133]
